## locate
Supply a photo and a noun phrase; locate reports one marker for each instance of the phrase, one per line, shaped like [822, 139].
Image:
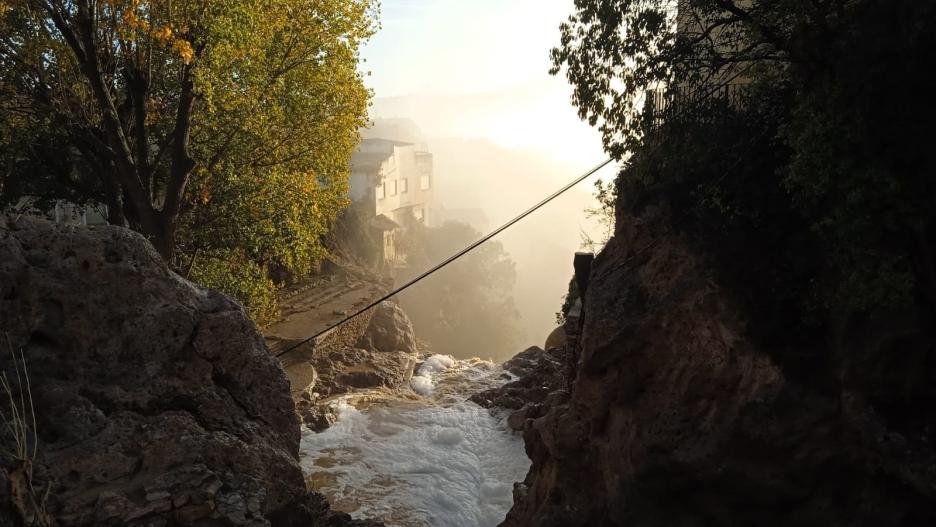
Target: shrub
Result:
[237, 276]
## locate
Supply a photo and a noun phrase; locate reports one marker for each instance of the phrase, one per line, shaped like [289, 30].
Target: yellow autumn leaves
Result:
[270, 107]
[184, 50]
[137, 17]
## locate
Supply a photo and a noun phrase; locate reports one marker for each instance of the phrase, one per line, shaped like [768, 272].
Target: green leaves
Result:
[214, 128]
[812, 191]
[235, 274]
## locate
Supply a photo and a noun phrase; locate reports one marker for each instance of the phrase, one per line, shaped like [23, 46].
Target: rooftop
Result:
[368, 160]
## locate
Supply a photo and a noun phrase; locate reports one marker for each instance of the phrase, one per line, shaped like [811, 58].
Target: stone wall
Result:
[298, 363]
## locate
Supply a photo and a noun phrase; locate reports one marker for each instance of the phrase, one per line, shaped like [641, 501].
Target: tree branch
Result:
[182, 162]
[766, 32]
[82, 43]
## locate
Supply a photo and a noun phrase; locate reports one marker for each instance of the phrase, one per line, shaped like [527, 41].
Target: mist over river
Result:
[424, 458]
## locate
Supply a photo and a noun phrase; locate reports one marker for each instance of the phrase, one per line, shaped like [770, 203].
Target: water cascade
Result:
[426, 458]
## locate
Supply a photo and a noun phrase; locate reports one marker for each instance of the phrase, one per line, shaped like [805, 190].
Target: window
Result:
[381, 190]
[424, 183]
[393, 188]
[404, 186]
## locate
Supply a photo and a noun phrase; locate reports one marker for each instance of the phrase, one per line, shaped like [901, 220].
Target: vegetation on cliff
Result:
[222, 131]
[785, 139]
[757, 345]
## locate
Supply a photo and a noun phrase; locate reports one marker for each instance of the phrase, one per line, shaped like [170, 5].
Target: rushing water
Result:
[432, 458]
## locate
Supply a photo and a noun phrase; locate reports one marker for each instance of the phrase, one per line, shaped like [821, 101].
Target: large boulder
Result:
[384, 357]
[556, 338]
[156, 401]
[389, 330]
[345, 370]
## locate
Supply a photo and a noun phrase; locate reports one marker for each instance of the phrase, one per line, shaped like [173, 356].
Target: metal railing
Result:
[700, 102]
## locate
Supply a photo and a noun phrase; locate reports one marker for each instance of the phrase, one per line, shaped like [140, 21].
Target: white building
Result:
[62, 211]
[395, 178]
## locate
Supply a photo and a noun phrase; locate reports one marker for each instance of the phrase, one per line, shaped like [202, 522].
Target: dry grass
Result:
[19, 451]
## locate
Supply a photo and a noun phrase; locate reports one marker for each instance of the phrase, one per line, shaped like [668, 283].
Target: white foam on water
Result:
[439, 462]
[423, 382]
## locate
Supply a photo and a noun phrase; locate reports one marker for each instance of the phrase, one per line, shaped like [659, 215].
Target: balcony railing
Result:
[699, 102]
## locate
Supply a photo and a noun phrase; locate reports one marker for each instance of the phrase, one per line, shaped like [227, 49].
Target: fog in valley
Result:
[483, 185]
[502, 135]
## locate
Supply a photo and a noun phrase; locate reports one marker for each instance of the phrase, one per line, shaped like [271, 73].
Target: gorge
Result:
[208, 237]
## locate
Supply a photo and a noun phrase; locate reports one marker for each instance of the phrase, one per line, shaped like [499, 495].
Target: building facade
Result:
[396, 178]
[394, 181]
[722, 76]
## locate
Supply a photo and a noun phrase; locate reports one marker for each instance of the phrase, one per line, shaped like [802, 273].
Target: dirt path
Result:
[316, 308]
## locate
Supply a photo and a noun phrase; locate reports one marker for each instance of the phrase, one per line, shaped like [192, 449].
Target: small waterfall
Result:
[432, 459]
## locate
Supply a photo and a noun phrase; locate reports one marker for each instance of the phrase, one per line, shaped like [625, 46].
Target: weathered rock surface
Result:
[556, 338]
[316, 415]
[353, 368]
[678, 418]
[390, 330]
[540, 376]
[156, 401]
[384, 357]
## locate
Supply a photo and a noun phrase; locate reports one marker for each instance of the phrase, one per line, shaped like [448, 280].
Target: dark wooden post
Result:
[582, 265]
[573, 326]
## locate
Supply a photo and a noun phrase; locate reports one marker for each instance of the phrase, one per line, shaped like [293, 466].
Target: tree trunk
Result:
[163, 238]
[130, 186]
[112, 195]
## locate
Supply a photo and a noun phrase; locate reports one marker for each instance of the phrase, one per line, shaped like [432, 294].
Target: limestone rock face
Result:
[156, 401]
[678, 418]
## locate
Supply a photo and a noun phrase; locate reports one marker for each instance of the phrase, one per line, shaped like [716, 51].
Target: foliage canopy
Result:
[213, 128]
[812, 188]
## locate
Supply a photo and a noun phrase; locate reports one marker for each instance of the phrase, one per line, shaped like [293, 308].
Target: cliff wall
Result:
[679, 417]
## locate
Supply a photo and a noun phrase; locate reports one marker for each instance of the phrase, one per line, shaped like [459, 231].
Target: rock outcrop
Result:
[390, 330]
[156, 401]
[678, 417]
[539, 380]
[345, 370]
[383, 357]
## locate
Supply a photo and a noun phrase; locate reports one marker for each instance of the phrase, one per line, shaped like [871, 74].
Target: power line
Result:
[452, 258]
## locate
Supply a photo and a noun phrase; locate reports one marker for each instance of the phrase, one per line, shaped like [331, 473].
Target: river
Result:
[428, 457]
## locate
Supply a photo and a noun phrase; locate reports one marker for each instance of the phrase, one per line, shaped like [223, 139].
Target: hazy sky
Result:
[474, 76]
[479, 69]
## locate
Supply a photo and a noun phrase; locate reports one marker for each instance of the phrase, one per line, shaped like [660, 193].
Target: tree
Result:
[466, 309]
[810, 199]
[615, 52]
[824, 153]
[161, 109]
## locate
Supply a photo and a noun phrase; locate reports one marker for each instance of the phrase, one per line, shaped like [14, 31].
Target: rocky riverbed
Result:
[421, 455]
[402, 435]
